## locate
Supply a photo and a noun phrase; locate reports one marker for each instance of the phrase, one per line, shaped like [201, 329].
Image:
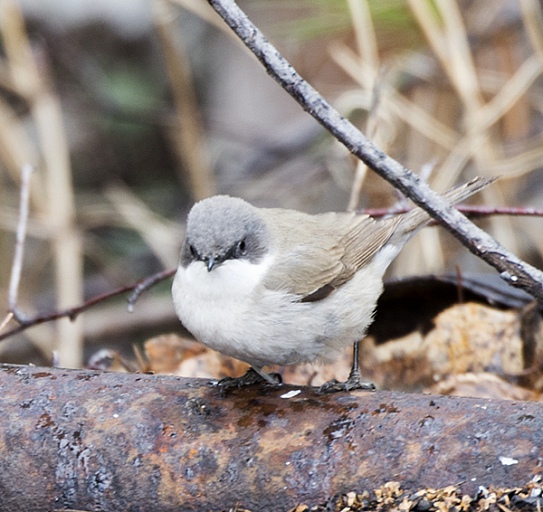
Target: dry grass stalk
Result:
[477, 139]
[402, 108]
[16, 150]
[533, 21]
[369, 58]
[28, 78]
[187, 135]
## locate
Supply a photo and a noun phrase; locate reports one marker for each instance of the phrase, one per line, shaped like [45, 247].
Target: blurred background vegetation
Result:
[131, 110]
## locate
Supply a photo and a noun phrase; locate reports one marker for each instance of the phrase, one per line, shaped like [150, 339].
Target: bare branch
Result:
[137, 287]
[513, 270]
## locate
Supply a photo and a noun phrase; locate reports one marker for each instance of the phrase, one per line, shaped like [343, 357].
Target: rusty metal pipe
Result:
[111, 441]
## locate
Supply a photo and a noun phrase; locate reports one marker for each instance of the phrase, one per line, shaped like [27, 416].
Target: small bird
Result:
[275, 286]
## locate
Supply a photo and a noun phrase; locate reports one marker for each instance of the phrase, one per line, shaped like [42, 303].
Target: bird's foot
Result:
[251, 377]
[353, 382]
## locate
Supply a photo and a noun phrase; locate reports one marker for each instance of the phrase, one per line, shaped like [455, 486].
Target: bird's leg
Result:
[354, 381]
[254, 375]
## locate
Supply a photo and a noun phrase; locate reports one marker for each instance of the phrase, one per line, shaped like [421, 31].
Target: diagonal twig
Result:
[512, 269]
[136, 288]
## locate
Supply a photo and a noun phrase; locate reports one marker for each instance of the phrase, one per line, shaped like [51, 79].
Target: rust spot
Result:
[322, 402]
[40, 375]
[45, 421]
[245, 421]
[385, 408]
[193, 452]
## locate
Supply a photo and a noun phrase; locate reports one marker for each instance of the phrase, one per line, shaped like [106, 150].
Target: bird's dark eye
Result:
[242, 248]
[193, 251]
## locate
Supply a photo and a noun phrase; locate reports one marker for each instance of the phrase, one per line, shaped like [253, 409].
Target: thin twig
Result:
[73, 312]
[17, 265]
[473, 212]
[145, 284]
[188, 134]
[513, 270]
[31, 75]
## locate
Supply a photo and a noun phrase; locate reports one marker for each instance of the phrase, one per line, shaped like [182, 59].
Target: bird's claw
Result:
[250, 378]
[353, 382]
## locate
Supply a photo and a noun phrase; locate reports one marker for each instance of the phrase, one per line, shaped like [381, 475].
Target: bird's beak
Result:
[210, 263]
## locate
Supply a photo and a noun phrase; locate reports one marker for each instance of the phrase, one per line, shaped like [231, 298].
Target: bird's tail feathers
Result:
[415, 219]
